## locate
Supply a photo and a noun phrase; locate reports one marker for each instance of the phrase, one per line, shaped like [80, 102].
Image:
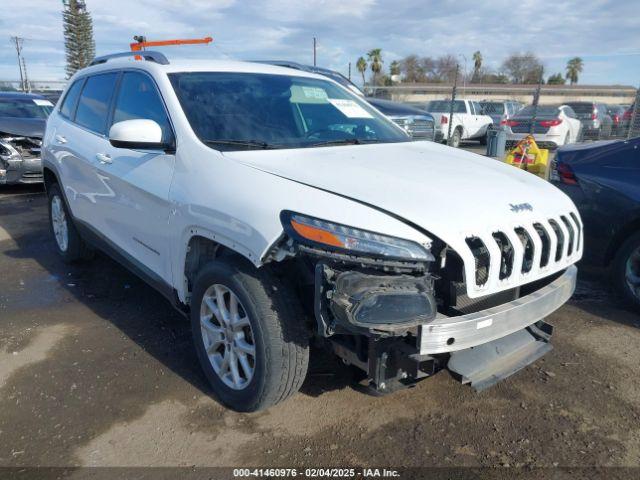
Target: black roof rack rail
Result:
[148, 55]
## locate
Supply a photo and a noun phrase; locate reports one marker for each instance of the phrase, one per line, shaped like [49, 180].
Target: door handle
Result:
[60, 139]
[104, 158]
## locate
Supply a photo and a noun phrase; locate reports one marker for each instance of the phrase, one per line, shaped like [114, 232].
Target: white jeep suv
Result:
[273, 206]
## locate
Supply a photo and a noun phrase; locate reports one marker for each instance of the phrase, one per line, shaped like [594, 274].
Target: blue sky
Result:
[606, 34]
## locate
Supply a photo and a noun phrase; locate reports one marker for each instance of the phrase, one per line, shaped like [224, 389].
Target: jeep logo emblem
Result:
[520, 207]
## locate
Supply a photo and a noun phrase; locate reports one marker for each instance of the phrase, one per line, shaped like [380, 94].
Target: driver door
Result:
[136, 214]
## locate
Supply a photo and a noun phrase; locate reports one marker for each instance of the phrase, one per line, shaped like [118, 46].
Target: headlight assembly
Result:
[326, 235]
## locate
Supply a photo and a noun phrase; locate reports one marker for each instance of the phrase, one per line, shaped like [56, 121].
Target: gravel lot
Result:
[96, 369]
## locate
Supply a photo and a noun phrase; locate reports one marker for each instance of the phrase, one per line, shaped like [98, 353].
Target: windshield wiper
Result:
[242, 143]
[342, 141]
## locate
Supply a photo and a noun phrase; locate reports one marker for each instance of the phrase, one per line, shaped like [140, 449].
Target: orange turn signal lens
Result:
[316, 234]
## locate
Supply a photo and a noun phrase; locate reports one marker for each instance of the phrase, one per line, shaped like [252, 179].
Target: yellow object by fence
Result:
[528, 156]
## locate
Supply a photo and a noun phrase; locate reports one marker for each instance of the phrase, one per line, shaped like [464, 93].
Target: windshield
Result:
[232, 111]
[491, 108]
[445, 106]
[543, 110]
[25, 107]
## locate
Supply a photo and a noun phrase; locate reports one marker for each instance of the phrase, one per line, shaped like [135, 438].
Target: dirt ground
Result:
[96, 369]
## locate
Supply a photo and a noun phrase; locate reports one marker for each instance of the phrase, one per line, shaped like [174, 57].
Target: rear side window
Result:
[93, 107]
[70, 101]
[139, 98]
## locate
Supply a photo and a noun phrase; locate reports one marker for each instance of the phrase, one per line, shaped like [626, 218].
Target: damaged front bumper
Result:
[482, 348]
[22, 171]
[17, 167]
[450, 334]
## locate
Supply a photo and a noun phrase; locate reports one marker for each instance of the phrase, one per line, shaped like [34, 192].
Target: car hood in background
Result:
[446, 191]
[391, 108]
[23, 127]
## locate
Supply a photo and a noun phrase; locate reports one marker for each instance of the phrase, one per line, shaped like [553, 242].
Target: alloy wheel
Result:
[632, 273]
[59, 223]
[228, 337]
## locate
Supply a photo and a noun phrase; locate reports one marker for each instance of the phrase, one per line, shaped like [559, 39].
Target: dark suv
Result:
[596, 122]
[602, 179]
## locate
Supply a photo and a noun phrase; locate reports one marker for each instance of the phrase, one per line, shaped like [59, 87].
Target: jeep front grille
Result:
[508, 257]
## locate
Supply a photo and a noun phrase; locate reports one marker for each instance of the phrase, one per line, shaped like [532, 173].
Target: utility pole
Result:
[27, 85]
[536, 101]
[314, 51]
[453, 99]
[18, 42]
[464, 78]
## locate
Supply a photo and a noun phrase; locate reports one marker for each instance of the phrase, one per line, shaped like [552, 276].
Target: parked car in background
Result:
[416, 122]
[627, 123]
[616, 112]
[553, 126]
[23, 118]
[468, 122]
[499, 111]
[596, 122]
[603, 180]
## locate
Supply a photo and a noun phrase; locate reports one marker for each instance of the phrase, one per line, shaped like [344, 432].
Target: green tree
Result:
[361, 65]
[556, 79]
[523, 68]
[79, 44]
[375, 63]
[477, 65]
[574, 68]
[394, 68]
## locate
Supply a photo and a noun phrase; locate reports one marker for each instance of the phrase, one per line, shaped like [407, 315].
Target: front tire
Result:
[625, 271]
[249, 334]
[68, 242]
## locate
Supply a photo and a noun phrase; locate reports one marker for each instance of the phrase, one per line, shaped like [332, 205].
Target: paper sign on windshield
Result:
[314, 92]
[349, 108]
[42, 103]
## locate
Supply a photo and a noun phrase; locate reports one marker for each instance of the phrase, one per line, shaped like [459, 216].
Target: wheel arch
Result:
[201, 246]
[619, 238]
[50, 177]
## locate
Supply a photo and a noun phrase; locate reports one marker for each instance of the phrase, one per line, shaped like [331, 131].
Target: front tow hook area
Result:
[485, 365]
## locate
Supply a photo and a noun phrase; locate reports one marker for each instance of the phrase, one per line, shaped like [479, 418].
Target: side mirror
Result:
[137, 134]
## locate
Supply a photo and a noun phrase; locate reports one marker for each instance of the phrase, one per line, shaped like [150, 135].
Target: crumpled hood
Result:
[23, 127]
[448, 192]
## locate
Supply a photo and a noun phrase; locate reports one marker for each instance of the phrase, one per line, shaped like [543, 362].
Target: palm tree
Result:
[477, 65]
[375, 57]
[361, 65]
[574, 67]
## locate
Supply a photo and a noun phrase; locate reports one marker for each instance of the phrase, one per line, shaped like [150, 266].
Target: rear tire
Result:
[625, 271]
[268, 331]
[67, 240]
[456, 138]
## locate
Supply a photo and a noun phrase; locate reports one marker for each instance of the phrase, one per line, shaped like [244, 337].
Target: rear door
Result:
[78, 134]
[135, 215]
